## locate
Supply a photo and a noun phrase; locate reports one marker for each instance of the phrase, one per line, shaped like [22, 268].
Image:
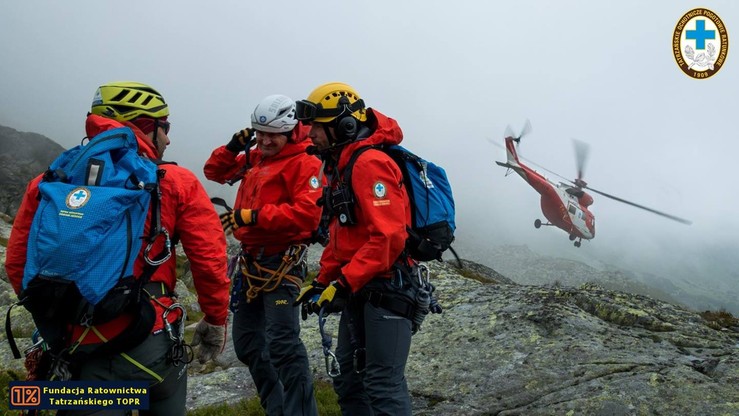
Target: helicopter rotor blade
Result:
[526, 128]
[508, 132]
[633, 204]
[581, 157]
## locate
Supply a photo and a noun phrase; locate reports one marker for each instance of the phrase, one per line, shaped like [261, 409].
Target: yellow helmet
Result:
[127, 100]
[329, 101]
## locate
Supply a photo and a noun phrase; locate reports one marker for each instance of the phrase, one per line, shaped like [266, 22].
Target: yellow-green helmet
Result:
[330, 101]
[125, 100]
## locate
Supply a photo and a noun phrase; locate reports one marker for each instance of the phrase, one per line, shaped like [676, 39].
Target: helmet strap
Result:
[156, 134]
[329, 135]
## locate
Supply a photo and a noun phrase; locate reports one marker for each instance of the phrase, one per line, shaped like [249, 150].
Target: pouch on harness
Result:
[432, 204]
[84, 239]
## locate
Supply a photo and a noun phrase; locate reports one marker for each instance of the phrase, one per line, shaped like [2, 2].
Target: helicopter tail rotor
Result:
[524, 131]
[509, 133]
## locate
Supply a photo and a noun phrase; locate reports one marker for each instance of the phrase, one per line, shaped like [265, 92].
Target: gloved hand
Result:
[334, 297]
[308, 296]
[238, 218]
[210, 338]
[239, 140]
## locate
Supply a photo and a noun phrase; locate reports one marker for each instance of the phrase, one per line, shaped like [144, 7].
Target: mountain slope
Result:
[22, 157]
[527, 267]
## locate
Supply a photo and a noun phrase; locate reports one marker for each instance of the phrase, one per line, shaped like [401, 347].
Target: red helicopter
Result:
[564, 204]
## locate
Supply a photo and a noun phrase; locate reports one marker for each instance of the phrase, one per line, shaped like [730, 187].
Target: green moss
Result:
[245, 407]
[326, 401]
[310, 277]
[180, 267]
[193, 317]
[476, 276]
[3, 242]
[6, 376]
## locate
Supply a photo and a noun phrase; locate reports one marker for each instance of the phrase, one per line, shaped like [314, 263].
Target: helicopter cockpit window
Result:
[572, 209]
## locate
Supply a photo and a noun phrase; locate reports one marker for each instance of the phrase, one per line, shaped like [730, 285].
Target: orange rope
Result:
[273, 279]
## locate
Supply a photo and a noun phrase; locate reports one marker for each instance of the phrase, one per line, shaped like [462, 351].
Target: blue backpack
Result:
[432, 204]
[87, 232]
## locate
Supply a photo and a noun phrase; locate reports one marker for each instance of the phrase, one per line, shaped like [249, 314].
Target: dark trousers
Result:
[381, 389]
[166, 398]
[266, 336]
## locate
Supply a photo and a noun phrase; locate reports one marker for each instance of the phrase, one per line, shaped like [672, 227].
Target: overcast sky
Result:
[453, 73]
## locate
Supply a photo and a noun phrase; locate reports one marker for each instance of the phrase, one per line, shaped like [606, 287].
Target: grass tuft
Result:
[720, 319]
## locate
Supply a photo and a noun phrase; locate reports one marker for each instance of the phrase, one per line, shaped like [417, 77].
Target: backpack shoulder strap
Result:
[347, 178]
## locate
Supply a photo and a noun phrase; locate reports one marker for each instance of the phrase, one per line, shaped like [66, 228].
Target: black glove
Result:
[239, 140]
[307, 297]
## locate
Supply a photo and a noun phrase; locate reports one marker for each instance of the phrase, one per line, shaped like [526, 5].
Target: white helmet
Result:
[275, 114]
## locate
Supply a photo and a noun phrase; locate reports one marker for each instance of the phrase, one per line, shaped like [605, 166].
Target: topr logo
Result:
[78, 198]
[379, 190]
[700, 43]
[314, 182]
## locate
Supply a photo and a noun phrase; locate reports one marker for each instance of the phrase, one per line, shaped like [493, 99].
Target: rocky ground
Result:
[501, 348]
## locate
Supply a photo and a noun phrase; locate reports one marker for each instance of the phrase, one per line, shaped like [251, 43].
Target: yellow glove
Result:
[334, 297]
[239, 140]
[307, 297]
[238, 218]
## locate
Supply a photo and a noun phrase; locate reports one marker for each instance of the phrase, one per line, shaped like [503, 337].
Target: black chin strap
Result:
[156, 134]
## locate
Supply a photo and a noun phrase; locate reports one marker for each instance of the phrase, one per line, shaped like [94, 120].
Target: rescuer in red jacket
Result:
[189, 217]
[274, 218]
[364, 267]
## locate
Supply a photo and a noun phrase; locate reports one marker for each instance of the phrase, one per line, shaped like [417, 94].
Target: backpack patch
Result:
[87, 232]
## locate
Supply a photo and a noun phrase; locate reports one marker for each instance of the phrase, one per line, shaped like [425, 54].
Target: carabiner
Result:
[332, 365]
[167, 248]
[168, 327]
[423, 274]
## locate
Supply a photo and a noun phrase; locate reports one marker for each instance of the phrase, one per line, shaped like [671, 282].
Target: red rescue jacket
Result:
[369, 248]
[283, 188]
[186, 213]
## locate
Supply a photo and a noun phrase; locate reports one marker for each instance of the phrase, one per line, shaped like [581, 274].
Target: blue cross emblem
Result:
[379, 190]
[700, 34]
[79, 194]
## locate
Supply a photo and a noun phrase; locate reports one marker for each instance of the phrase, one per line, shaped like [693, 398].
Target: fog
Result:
[454, 75]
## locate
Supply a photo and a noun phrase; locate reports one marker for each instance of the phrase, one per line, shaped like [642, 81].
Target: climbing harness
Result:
[268, 280]
[332, 364]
